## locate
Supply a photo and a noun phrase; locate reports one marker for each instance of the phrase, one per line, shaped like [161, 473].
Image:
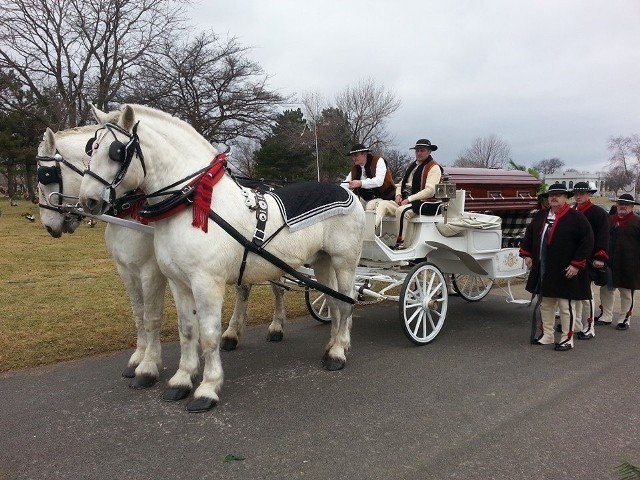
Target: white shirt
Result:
[377, 181]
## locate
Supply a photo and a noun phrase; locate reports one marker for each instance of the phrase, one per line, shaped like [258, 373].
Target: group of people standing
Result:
[568, 249]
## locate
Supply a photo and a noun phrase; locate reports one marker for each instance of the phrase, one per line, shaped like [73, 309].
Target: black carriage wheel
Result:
[423, 303]
[471, 287]
[317, 305]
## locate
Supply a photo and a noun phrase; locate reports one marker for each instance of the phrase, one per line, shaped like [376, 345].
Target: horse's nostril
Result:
[92, 205]
[49, 229]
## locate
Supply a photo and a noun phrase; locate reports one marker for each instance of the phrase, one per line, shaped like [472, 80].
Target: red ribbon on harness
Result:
[204, 190]
[134, 210]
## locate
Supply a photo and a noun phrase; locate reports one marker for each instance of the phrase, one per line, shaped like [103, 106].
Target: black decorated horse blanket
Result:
[304, 204]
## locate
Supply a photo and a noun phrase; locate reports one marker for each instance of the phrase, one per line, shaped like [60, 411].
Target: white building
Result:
[570, 178]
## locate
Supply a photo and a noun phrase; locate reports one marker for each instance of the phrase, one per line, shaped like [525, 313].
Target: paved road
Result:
[478, 403]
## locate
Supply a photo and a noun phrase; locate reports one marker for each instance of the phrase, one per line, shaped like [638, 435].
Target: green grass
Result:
[62, 299]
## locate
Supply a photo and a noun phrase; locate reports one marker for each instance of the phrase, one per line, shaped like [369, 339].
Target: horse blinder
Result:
[88, 149]
[49, 175]
[118, 151]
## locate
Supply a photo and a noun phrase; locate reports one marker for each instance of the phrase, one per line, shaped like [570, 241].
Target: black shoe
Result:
[600, 322]
[536, 342]
[622, 326]
[584, 336]
[563, 347]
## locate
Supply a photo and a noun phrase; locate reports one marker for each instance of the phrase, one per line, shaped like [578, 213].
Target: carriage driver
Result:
[370, 180]
[414, 195]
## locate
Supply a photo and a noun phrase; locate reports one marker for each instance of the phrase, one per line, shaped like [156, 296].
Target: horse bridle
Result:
[53, 174]
[118, 152]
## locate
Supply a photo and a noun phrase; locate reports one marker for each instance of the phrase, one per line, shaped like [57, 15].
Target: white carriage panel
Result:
[482, 241]
[507, 264]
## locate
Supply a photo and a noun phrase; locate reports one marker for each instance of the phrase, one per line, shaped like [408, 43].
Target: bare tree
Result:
[548, 165]
[210, 83]
[78, 52]
[487, 152]
[242, 158]
[368, 106]
[397, 162]
[625, 155]
[616, 179]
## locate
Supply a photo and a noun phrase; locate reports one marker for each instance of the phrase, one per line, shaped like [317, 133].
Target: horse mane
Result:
[154, 113]
[60, 134]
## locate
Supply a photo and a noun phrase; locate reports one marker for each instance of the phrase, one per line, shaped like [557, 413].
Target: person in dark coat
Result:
[599, 221]
[624, 251]
[555, 247]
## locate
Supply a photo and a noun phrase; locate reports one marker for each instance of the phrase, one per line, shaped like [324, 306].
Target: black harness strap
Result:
[262, 213]
[251, 247]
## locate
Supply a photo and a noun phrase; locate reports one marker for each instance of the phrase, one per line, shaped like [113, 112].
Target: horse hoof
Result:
[143, 381]
[198, 405]
[175, 394]
[228, 344]
[129, 372]
[333, 364]
[275, 336]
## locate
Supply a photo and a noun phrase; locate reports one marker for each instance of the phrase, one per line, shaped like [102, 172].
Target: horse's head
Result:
[116, 164]
[59, 175]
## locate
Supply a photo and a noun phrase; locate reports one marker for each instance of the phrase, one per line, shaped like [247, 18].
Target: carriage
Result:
[469, 245]
[141, 148]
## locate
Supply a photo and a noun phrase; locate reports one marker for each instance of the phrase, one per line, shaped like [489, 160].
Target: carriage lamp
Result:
[445, 191]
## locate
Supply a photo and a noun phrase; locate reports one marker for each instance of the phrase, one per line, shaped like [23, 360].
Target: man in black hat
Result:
[370, 180]
[624, 251]
[599, 221]
[418, 186]
[555, 247]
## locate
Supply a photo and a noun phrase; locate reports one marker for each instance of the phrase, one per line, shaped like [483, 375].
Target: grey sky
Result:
[553, 78]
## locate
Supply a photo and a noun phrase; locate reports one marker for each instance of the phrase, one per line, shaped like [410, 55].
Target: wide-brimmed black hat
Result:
[581, 187]
[559, 188]
[627, 198]
[423, 142]
[358, 147]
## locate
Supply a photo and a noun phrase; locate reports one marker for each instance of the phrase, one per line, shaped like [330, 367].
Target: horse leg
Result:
[136, 298]
[208, 298]
[238, 320]
[181, 383]
[275, 332]
[153, 286]
[335, 357]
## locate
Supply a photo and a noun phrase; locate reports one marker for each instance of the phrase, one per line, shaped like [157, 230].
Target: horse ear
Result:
[99, 115]
[49, 142]
[128, 118]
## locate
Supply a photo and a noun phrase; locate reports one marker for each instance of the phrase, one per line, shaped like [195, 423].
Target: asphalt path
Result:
[478, 403]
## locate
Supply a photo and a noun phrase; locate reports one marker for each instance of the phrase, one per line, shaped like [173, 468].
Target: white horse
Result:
[61, 163]
[155, 154]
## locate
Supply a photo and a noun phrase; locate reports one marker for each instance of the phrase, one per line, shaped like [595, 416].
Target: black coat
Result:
[599, 221]
[625, 251]
[570, 243]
